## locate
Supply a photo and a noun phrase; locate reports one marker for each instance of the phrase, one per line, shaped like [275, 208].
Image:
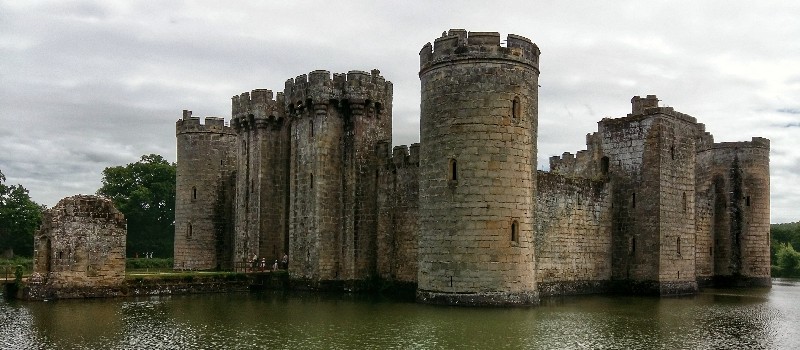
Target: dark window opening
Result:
[633, 200]
[604, 165]
[515, 231]
[685, 203]
[515, 108]
[378, 109]
[633, 245]
[678, 246]
[311, 180]
[747, 201]
[672, 152]
[189, 230]
[453, 170]
[194, 192]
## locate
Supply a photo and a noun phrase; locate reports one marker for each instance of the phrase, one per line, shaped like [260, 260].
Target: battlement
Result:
[755, 142]
[258, 103]
[189, 124]
[404, 156]
[458, 44]
[319, 88]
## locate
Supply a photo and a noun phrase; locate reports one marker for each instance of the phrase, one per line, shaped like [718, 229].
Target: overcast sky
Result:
[89, 84]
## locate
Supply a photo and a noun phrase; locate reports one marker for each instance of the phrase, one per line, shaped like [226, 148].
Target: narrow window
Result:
[189, 231]
[672, 152]
[453, 170]
[604, 165]
[633, 245]
[633, 200]
[377, 110]
[678, 244]
[515, 108]
[747, 201]
[709, 251]
[194, 192]
[311, 180]
[685, 203]
[515, 231]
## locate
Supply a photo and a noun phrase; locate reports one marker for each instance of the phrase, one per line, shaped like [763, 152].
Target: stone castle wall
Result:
[478, 129]
[652, 205]
[573, 235]
[398, 205]
[204, 193]
[81, 243]
[734, 184]
[262, 176]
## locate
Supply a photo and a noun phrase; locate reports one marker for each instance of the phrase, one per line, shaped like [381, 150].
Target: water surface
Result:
[713, 319]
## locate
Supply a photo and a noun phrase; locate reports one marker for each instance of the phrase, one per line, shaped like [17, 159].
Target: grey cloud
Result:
[91, 84]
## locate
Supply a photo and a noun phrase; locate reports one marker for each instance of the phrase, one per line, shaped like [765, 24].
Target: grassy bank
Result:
[8, 266]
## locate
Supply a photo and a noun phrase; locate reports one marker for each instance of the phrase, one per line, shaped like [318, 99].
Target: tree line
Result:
[785, 249]
[144, 191]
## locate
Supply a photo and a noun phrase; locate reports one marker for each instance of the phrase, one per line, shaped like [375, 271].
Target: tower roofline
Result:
[458, 44]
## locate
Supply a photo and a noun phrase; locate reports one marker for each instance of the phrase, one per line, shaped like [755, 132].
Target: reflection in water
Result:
[716, 318]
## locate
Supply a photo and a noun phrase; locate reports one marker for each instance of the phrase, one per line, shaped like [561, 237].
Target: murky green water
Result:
[714, 319]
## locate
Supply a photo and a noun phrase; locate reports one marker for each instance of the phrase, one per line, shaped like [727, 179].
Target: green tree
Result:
[788, 260]
[19, 219]
[145, 193]
[784, 233]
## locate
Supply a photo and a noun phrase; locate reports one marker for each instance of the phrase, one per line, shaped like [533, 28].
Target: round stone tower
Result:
[203, 193]
[479, 115]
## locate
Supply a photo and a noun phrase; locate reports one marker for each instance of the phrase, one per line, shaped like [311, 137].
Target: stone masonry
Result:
[81, 244]
[652, 206]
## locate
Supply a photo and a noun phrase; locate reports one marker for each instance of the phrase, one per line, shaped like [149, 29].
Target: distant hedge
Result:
[142, 263]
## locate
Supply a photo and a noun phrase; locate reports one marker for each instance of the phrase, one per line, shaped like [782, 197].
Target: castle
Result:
[653, 205]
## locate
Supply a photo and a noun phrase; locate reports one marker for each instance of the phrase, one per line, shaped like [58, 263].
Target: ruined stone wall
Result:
[204, 193]
[479, 119]
[398, 207]
[262, 176]
[335, 127]
[737, 189]
[81, 243]
[573, 235]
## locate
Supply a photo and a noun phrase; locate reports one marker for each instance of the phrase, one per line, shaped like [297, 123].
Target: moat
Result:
[758, 318]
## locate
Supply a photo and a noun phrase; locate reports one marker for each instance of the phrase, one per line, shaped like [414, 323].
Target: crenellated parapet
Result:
[188, 124]
[259, 103]
[458, 44]
[755, 142]
[404, 156]
[585, 163]
[257, 109]
[363, 93]
[648, 106]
